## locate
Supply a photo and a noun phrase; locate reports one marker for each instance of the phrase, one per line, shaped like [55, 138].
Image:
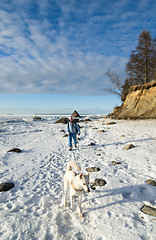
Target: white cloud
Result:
[82, 75]
[65, 48]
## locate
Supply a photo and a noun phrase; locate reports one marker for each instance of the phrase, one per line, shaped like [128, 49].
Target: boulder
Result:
[87, 120]
[151, 182]
[101, 131]
[75, 114]
[63, 131]
[92, 169]
[6, 186]
[91, 144]
[129, 146]
[17, 150]
[116, 163]
[148, 210]
[65, 135]
[62, 120]
[111, 123]
[37, 118]
[98, 182]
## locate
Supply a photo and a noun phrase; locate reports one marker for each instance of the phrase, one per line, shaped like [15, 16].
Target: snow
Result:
[34, 209]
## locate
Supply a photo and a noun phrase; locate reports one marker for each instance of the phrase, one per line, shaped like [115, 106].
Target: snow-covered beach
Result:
[33, 209]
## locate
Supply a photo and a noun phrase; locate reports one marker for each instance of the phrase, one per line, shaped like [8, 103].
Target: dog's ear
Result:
[81, 175]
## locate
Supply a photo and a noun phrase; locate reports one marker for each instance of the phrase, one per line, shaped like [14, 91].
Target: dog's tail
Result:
[73, 164]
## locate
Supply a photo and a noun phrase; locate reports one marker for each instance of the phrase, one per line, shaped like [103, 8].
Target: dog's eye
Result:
[84, 184]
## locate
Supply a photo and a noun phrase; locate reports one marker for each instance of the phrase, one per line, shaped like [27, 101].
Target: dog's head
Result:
[84, 181]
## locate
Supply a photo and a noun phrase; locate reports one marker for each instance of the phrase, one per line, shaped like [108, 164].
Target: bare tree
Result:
[116, 82]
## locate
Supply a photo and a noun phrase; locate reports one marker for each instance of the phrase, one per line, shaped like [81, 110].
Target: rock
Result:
[6, 186]
[100, 182]
[88, 120]
[92, 169]
[62, 131]
[101, 131]
[37, 118]
[17, 150]
[75, 114]
[116, 163]
[148, 210]
[110, 123]
[62, 120]
[92, 187]
[91, 144]
[65, 135]
[151, 182]
[129, 146]
[85, 120]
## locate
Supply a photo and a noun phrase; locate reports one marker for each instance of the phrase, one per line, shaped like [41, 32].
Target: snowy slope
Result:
[33, 209]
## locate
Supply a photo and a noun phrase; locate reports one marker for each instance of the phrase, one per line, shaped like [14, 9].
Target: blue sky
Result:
[54, 54]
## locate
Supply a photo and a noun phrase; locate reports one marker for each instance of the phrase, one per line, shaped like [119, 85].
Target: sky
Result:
[54, 55]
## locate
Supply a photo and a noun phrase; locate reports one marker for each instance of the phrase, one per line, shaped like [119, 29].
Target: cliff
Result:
[140, 103]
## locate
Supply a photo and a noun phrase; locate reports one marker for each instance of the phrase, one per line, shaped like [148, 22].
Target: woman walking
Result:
[72, 129]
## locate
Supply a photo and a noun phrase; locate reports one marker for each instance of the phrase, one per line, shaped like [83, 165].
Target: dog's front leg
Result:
[66, 184]
[80, 209]
[65, 199]
[71, 201]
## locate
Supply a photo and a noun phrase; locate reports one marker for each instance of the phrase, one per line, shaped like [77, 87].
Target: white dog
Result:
[77, 183]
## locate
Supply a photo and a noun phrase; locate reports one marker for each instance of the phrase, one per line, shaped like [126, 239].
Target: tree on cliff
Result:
[140, 68]
[142, 62]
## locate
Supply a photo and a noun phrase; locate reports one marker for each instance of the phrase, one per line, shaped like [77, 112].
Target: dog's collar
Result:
[75, 187]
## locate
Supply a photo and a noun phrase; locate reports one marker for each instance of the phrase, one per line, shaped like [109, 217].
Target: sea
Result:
[12, 119]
